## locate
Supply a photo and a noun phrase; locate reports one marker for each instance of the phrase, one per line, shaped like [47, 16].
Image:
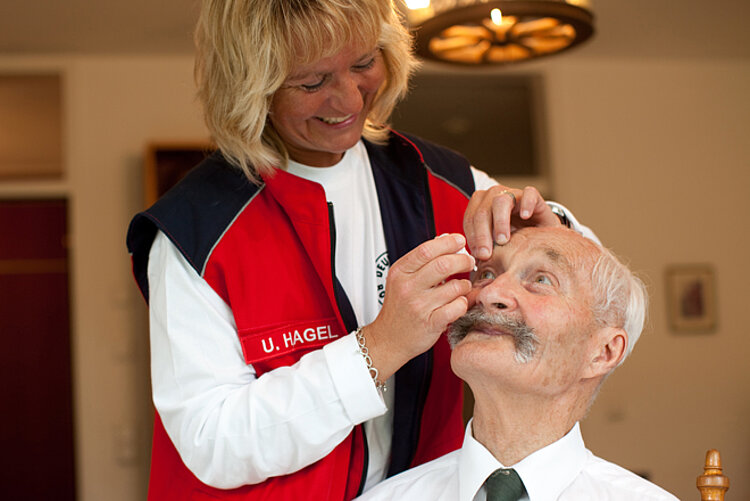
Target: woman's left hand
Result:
[493, 214]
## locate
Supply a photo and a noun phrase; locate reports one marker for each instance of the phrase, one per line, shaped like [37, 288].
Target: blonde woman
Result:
[297, 292]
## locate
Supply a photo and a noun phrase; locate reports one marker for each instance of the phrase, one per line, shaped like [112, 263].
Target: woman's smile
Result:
[321, 109]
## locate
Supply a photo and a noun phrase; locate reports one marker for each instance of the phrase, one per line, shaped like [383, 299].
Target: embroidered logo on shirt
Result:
[382, 264]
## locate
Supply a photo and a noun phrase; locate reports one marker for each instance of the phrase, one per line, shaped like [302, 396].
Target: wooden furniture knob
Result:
[712, 484]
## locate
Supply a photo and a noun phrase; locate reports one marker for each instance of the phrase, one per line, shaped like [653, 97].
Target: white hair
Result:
[620, 297]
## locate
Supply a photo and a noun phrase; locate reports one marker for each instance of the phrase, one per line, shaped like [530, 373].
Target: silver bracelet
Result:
[380, 385]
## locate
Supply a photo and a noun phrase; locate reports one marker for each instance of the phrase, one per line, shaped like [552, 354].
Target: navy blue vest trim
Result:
[401, 180]
[444, 163]
[408, 220]
[342, 300]
[193, 214]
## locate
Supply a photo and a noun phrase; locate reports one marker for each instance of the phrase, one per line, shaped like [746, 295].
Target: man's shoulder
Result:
[421, 482]
[613, 481]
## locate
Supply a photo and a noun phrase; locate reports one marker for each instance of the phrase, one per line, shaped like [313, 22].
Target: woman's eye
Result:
[543, 279]
[366, 65]
[312, 87]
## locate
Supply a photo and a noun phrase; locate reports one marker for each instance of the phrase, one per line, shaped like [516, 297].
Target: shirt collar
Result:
[545, 473]
[475, 464]
[548, 471]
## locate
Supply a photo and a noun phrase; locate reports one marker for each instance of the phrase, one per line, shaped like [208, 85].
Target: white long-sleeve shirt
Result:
[231, 428]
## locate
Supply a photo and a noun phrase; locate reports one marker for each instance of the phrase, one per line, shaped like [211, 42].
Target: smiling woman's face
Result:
[320, 110]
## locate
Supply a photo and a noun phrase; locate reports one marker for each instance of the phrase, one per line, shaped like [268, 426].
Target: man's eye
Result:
[486, 275]
[543, 279]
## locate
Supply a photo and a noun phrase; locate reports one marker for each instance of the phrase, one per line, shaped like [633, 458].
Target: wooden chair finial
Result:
[712, 484]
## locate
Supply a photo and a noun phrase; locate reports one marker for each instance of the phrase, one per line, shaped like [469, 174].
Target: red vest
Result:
[272, 264]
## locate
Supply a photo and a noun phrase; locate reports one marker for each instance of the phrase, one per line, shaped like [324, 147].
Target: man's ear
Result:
[609, 346]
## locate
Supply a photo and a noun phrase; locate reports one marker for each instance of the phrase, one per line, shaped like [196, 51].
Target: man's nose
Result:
[500, 294]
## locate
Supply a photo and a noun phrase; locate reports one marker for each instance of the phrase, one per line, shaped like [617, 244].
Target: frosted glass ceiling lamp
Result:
[492, 32]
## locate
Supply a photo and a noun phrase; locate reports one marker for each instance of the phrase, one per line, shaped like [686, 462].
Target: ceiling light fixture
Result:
[491, 32]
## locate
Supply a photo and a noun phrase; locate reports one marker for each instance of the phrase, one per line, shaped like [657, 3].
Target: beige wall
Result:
[654, 155]
[651, 155]
[116, 107]
[113, 107]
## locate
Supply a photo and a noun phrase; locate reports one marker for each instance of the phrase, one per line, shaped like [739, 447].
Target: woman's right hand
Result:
[420, 302]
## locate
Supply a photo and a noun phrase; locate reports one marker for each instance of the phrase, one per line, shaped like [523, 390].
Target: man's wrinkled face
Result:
[530, 323]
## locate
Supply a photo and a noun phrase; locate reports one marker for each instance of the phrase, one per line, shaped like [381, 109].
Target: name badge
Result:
[265, 343]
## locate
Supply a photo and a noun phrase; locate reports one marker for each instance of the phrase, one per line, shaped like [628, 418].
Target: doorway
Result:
[36, 425]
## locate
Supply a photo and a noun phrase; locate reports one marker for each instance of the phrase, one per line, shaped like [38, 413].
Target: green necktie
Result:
[504, 485]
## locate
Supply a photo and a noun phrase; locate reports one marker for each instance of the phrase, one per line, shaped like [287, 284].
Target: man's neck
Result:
[512, 429]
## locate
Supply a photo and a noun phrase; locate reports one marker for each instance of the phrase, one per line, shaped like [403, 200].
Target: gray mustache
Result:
[524, 337]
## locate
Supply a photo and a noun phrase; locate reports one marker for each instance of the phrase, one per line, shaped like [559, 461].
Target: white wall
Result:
[651, 155]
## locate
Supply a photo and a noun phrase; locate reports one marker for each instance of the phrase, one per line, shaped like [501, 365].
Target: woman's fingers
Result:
[428, 251]
[492, 215]
[420, 301]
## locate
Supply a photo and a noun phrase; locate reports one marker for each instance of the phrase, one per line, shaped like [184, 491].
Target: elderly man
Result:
[553, 315]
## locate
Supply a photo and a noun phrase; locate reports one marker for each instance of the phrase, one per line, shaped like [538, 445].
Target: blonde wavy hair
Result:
[247, 48]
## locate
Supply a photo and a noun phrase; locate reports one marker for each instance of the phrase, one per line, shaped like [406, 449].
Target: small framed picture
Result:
[691, 298]
[167, 162]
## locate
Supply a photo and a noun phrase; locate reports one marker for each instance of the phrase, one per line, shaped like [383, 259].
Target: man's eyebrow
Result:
[555, 256]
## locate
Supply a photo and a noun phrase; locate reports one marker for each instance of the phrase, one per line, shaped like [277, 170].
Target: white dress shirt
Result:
[564, 471]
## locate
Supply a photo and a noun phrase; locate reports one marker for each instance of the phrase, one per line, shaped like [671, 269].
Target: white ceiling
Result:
[624, 28]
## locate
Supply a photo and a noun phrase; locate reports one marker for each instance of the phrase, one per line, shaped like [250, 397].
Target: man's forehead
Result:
[562, 247]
